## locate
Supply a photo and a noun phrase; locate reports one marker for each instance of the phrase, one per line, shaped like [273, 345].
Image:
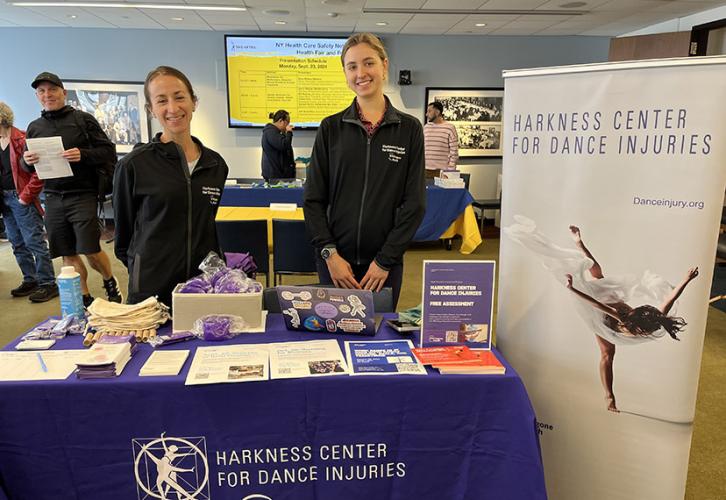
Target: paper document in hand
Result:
[51, 165]
[314, 358]
[229, 364]
[383, 357]
[15, 366]
[164, 363]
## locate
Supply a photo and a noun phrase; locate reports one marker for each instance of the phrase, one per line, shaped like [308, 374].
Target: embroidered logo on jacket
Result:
[395, 153]
[213, 192]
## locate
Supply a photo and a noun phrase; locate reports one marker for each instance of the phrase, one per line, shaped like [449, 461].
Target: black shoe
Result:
[112, 291]
[87, 300]
[44, 293]
[25, 289]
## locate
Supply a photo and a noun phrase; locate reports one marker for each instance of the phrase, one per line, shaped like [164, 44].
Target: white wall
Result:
[127, 55]
[682, 23]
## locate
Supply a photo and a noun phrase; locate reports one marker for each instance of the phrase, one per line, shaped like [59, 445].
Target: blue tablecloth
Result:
[394, 437]
[443, 206]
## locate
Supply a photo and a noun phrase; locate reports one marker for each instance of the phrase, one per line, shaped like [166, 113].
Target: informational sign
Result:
[613, 189]
[457, 302]
[303, 76]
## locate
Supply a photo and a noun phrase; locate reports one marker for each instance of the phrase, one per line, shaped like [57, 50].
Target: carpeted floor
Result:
[706, 474]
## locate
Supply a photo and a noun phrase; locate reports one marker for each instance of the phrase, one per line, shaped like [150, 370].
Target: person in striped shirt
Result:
[440, 140]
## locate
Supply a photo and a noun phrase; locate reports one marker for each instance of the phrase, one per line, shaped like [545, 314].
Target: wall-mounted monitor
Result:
[303, 76]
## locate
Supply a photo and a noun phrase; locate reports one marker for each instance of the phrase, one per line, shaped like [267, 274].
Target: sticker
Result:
[313, 324]
[351, 325]
[297, 304]
[344, 308]
[326, 310]
[330, 325]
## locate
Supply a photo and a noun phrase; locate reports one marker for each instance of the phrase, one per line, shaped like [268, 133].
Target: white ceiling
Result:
[452, 17]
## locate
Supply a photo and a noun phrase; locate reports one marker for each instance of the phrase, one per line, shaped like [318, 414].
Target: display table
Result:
[366, 437]
[448, 211]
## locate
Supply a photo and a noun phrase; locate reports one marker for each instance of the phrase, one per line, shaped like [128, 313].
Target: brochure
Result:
[48, 365]
[382, 357]
[229, 364]
[314, 358]
[164, 363]
[458, 303]
[444, 354]
[485, 363]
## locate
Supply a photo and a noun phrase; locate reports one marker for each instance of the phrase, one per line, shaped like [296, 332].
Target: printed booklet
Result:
[382, 357]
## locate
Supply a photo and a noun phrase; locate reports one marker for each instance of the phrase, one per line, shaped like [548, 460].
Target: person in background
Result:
[278, 160]
[71, 217]
[23, 215]
[365, 191]
[442, 142]
[166, 194]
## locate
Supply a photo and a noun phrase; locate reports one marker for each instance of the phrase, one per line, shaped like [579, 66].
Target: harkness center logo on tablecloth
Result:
[171, 467]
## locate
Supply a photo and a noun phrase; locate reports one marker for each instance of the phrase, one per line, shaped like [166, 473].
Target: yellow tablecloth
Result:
[465, 225]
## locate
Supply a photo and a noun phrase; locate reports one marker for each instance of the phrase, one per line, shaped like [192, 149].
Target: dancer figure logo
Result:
[171, 468]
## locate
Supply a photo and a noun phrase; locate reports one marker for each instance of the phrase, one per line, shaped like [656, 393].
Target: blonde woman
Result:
[365, 189]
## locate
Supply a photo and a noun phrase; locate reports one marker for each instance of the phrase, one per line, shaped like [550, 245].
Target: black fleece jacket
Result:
[366, 195]
[164, 216]
[78, 129]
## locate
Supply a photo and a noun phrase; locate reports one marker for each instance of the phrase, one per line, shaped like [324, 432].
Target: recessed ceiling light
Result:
[177, 18]
[276, 12]
[382, 23]
[334, 2]
[480, 25]
[573, 5]
[72, 16]
[280, 22]
[332, 14]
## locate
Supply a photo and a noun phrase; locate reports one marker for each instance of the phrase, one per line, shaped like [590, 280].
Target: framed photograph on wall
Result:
[118, 107]
[477, 115]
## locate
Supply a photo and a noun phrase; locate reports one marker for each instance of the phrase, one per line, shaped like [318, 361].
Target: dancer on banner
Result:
[608, 304]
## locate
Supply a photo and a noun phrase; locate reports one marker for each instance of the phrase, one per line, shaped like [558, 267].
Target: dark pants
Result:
[394, 280]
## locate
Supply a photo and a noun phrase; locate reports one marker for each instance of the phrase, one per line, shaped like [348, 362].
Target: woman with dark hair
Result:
[278, 160]
[166, 194]
[604, 303]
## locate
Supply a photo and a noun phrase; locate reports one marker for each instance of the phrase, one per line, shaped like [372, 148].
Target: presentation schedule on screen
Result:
[301, 75]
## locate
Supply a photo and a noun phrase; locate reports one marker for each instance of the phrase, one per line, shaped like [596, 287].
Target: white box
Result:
[188, 307]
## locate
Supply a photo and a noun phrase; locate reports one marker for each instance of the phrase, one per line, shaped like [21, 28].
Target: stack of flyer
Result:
[107, 358]
[459, 359]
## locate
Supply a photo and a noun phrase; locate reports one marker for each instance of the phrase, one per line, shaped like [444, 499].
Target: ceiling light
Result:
[332, 14]
[170, 6]
[276, 12]
[382, 23]
[573, 5]
[280, 22]
[72, 16]
[480, 25]
[334, 2]
[177, 18]
[488, 12]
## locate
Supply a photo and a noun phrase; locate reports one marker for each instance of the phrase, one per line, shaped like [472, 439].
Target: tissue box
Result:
[188, 307]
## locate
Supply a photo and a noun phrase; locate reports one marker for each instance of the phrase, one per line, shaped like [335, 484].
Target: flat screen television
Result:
[301, 75]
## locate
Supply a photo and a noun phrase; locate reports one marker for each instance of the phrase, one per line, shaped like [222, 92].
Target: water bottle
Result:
[69, 288]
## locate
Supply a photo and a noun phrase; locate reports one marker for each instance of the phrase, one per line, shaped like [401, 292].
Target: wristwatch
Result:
[326, 252]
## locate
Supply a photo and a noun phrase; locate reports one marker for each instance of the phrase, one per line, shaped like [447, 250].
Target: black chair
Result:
[382, 301]
[481, 205]
[292, 252]
[246, 236]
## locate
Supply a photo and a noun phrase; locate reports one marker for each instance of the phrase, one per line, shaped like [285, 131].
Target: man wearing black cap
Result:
[71, 218]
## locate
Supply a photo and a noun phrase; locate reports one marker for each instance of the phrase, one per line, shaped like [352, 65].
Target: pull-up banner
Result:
[614, 179]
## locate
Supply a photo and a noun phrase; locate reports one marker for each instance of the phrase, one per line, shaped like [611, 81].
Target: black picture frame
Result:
[476, 113]
[117, 106]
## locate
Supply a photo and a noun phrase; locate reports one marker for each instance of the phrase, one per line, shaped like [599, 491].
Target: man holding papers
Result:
[71, 220]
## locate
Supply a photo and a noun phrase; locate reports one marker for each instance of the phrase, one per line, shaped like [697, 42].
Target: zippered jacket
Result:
[27, 183]
[278, 160]
[366, 196]
[164, 215]
[78, 129]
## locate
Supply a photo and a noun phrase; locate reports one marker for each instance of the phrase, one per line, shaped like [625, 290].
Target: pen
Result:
[42, 363]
